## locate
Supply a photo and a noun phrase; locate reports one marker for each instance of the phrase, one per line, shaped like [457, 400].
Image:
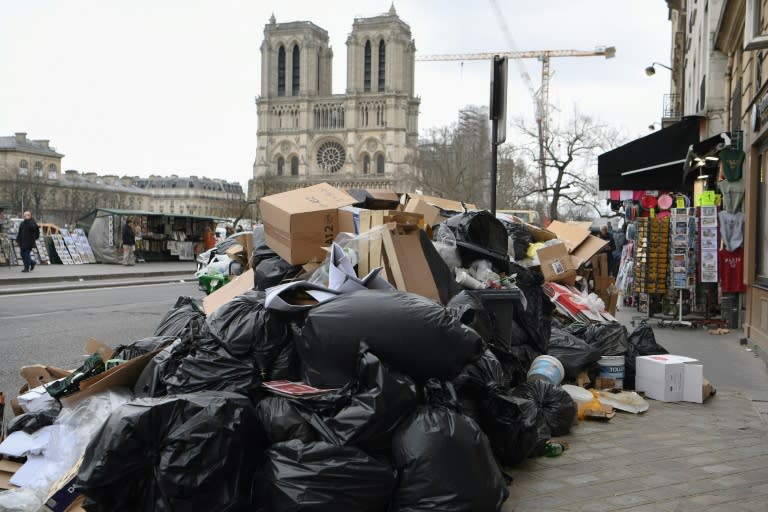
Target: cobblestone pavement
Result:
[675, 457]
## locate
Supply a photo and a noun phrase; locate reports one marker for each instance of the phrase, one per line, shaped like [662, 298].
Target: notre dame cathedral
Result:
[365, 138]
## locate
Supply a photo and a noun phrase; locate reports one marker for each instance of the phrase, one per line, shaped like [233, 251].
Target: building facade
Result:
[31, 179]
[367, 137]
[724, 79]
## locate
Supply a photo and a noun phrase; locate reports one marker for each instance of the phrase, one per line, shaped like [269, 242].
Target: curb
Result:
[85, 285]
[93, 277]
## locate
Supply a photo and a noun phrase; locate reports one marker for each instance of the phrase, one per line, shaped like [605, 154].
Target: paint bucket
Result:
[611, 372]
[547, 368]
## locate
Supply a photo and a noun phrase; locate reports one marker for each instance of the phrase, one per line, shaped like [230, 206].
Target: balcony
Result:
[672, 110]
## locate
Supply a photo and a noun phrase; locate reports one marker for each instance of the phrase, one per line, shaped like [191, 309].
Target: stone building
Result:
[31, 179]
[366, 137]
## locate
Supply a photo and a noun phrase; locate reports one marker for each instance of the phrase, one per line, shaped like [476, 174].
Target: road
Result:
[51, 328]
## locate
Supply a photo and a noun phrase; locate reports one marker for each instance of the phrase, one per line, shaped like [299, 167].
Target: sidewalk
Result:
[676, 456]
[71, 277]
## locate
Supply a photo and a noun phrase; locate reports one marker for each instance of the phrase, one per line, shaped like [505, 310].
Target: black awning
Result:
[653, 162]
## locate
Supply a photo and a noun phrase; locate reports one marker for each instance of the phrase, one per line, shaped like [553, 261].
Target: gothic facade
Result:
[364, 138]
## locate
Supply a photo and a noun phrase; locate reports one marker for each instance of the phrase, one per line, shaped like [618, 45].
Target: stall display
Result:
[42, 252]
[61, 250]
[651, 264]
[83, 247]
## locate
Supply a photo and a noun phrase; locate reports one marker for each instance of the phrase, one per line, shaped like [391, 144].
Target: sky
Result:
[140, 87]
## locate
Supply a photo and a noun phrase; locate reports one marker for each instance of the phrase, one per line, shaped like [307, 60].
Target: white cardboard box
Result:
[670, 378]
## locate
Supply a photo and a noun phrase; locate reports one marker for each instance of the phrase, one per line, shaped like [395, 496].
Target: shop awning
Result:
[653, 162]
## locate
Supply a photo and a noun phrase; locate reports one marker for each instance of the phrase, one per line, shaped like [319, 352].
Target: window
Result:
[52, 175]
[281, 71]
[380, 164]
[366, 164]
[38, 168]
[295, 72]
[295, 166]
[330, 157]
[23, 168]
[367, 68]
[280, 165]
[382, 57]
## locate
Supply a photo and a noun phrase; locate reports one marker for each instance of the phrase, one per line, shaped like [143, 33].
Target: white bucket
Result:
[612, 368]
[547, 368]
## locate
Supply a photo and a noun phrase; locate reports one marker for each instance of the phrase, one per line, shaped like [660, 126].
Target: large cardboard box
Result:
[581, 244]
[670, 378]
[299, 223]
[556, 264]
[435, 209]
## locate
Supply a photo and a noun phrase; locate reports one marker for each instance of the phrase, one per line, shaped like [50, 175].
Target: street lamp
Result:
[651, 70]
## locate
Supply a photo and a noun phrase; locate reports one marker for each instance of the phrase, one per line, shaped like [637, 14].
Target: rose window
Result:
[330, 156]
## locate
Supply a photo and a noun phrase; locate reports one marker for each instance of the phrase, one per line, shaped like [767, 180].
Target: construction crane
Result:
[540, 99]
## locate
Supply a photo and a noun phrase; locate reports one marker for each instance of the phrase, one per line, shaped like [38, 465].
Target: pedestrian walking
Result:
[28, 233]
[608, 249]
[129, 243]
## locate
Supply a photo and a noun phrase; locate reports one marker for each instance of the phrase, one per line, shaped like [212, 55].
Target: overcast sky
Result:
[139, 87]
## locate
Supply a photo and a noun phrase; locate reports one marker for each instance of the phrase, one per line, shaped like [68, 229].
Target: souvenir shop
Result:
[682, 201]
[159, 237]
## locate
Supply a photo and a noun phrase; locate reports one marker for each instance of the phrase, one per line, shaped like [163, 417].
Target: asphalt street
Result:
[52, 327]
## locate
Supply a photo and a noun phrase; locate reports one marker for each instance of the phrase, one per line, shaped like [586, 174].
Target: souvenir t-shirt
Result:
[732, 229]
[732, 160]
[733, 195]
[731, 268]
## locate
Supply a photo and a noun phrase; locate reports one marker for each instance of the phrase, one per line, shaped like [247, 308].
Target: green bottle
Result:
[553, 449]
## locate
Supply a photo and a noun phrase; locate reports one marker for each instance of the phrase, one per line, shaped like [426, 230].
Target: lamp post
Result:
[651, 70]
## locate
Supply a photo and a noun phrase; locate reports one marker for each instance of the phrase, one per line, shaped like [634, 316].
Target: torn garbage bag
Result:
[575, 354]
[246, 328]
[271, 271]
[187, 452]
[321, 477]
[407, 332]
[183, 321]
[142, 346]
[535, 317]
[554, 403]
[609, 338]
[281, 421]
[31, 422]
[445, 460]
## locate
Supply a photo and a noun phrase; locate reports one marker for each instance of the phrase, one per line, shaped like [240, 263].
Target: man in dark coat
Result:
[28, 233]
[129, 243]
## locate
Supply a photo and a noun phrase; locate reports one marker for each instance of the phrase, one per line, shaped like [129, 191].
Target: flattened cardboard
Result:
[556, 264]
[37, 374]
[407, 265]
[298, 223]
[124, 375]
[7, 470]
[587, 249]
[572, 235]
[539, 234]
[240, 285]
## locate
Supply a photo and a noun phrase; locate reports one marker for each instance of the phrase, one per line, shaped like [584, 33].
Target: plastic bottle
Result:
[553, 449]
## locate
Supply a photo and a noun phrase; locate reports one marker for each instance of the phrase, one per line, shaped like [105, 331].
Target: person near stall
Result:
[28, 233]
[129, 244]
[608, 249]
[619, 241]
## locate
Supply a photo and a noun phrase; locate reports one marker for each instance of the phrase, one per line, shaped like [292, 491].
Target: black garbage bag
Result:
[642, 342]
[366, 411]
[521, 238]
[513, 424]
[609, 338]
[468, 307]
[480, 235]
[209, 366]
[441, 274]
[409, 333]
[281, 421]
[142, 346]
[322, 477]
[535, 317]
[575, 354]
[151, 381]
[554, 403]
[186, 452]
[272, 271]
[31, 422]
[445, 460]
[286, 365]
[183, 321]
[246, 328]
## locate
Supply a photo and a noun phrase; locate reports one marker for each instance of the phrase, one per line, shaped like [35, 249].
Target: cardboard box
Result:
[670, 378]
[406, 265]
[582, 245]
[599, 265]
[240, 285]
[7, 470]
[299, 223]
[435, 209]
[556, 264]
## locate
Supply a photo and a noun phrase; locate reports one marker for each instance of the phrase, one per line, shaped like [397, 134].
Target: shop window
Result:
[382, 57]
[295, 166]
[761, 247]
[380, 164]
[281, 71]
[367, 68]
[280, 165]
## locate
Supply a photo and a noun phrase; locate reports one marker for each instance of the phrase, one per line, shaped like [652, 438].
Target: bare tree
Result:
[569, 183]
